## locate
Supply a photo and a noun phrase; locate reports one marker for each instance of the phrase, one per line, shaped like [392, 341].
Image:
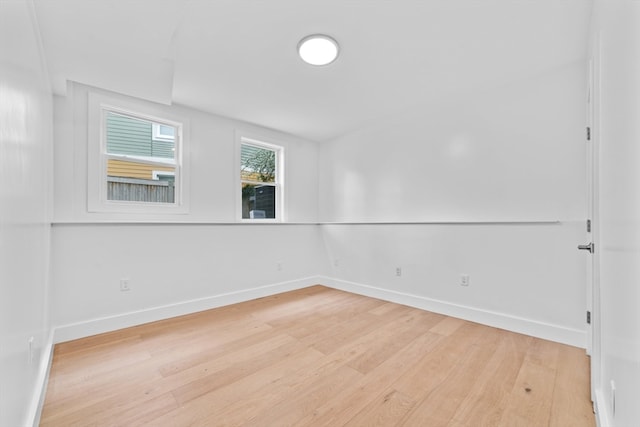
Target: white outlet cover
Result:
[464, 280]
[125, 285]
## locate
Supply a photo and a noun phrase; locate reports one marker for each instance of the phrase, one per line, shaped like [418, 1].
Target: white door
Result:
[591, 228]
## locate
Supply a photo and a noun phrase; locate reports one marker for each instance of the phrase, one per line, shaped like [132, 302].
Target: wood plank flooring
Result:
[317, 357]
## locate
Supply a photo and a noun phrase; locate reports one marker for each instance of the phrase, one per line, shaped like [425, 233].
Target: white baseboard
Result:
[119, 321]
[602, 415]
[530, 327]
[508, 322]
[40, 387]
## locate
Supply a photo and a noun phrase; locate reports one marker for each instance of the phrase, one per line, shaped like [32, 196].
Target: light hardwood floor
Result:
[317, 357]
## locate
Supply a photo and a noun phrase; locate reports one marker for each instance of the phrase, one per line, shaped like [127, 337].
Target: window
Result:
[135, 161]
[140, 167]
[260, 180]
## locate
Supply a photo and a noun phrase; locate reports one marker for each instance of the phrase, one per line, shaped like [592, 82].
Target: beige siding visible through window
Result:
[127, 169]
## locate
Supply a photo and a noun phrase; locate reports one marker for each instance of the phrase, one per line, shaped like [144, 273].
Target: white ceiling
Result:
[237, 58]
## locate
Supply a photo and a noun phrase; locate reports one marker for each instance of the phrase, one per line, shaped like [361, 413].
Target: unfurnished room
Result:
[320, 213]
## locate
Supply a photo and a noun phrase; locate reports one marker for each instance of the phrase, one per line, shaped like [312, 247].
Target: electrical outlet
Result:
[279, 266]
[125, 285]
[398, 271]
[336, 262]
[464, 280]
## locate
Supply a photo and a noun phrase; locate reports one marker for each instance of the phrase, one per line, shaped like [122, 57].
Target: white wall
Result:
[523, 277]
[173, 269]
[204, 260]
[25, 209]
[514, 153]
[617, 23]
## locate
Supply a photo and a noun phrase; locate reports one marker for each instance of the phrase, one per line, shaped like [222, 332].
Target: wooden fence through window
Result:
[140, 190]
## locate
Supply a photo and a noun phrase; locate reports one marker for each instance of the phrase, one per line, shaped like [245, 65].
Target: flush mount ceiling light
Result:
[318, 49]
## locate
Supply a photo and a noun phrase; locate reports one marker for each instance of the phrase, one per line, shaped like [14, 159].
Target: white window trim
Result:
[98, 106]
[258, 141]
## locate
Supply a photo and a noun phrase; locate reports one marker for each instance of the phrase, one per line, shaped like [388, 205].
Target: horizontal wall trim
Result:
[100, 325]
[182, 222]
[551, 332]
[505, 222]
[165, 222]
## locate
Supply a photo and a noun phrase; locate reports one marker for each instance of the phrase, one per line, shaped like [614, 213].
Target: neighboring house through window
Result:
[140, 166]
[163, 132]
[140, 162]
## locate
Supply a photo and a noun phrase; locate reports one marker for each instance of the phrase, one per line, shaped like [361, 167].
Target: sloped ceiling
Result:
[237, 58]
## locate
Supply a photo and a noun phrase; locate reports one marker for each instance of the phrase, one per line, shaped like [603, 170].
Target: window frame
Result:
[97, 202]
[257, 141]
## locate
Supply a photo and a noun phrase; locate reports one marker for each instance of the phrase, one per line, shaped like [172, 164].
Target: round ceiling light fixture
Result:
[318, 49]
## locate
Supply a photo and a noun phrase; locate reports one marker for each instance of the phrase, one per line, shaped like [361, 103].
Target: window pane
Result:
[258, 201]
[134, 137]
[257, 164]
[147, 173]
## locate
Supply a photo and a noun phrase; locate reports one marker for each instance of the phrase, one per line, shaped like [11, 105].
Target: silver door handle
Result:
[590, 247]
